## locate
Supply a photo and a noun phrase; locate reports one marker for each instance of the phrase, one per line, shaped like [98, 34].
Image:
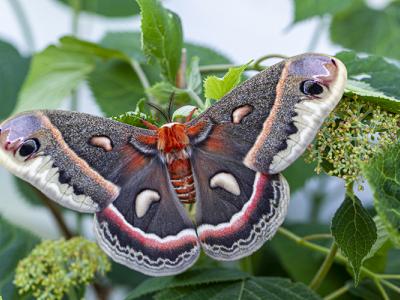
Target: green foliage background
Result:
[357, 256]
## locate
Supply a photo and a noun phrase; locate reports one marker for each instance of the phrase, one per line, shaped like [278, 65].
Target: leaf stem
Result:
[257, 63]
[319, 29]
[23, 23]
[325, 267]
[318, 236]
[339, 258]
[196, 98]
[76, 7]
[381, 289]
[142, 78]
[55, 211]
[339, 292]
[256, 66]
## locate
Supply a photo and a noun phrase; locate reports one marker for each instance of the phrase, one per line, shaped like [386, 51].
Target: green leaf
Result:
[254, 288]
[298, 173]
[305, 9]
[354, 231]
[162, 36]
[163, 90]
[383, 173]
[15, 244]
[136, 117]
[216, 88]
[183, 112]
[373, 78]
[373, 31]
[127, 42]
[13, 70]
[58, 70]
[191, 278]
[115, 8]
[116, 87]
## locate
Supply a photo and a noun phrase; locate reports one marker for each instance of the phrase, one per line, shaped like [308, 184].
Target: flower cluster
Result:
[55, 268]
[350, 136]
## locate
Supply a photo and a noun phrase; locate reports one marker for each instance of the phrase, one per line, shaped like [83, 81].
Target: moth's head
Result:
[315, 76]
[22, 140]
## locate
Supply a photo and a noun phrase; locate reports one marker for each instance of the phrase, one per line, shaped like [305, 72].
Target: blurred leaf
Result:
[376, 259]
[301, 263]
[373, 78]
[207, 56]
[15, 244]
[116, 87]
[253, 288]
[126, 42]
[115, 8]
[122, 275]
[58, 70]
[383, 173]
[394, 258]
[27, 191]
[13, 70]
[354, 231]
[298, 173]
[193, 277]
[183, 112]
[162, 36]
[373, 31]
[194, 77]
[216, 88]
[305, 9]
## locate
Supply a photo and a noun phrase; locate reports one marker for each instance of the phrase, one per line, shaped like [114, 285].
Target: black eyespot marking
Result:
[311, 87]
[29, 147]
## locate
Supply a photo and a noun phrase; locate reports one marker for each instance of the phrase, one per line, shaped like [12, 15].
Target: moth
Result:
[226, 162]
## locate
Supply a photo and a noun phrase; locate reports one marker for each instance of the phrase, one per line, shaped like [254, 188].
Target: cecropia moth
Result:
[226, 162]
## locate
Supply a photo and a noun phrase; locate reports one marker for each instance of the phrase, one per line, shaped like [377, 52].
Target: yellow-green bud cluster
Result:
[350, 136]
[54, 268]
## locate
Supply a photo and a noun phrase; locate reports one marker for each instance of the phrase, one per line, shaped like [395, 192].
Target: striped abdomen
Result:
[180, 172]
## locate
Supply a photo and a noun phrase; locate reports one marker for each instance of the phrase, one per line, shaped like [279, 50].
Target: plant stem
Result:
[339, 292]
[142, 78]
[257, 63]
[256, 66]
[23, 23]
[325, 267]
[76, 7]
[55, 211]
[390, 285]
[318, 236]
[339, 258]
[381, 289]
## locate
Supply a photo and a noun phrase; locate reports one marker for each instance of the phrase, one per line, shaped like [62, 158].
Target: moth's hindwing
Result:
[238, 209]
[147, 228]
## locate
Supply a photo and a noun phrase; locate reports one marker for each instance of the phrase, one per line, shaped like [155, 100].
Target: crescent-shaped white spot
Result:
[143, 201]
[102, 142]
[241, 112]
[227, 182]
